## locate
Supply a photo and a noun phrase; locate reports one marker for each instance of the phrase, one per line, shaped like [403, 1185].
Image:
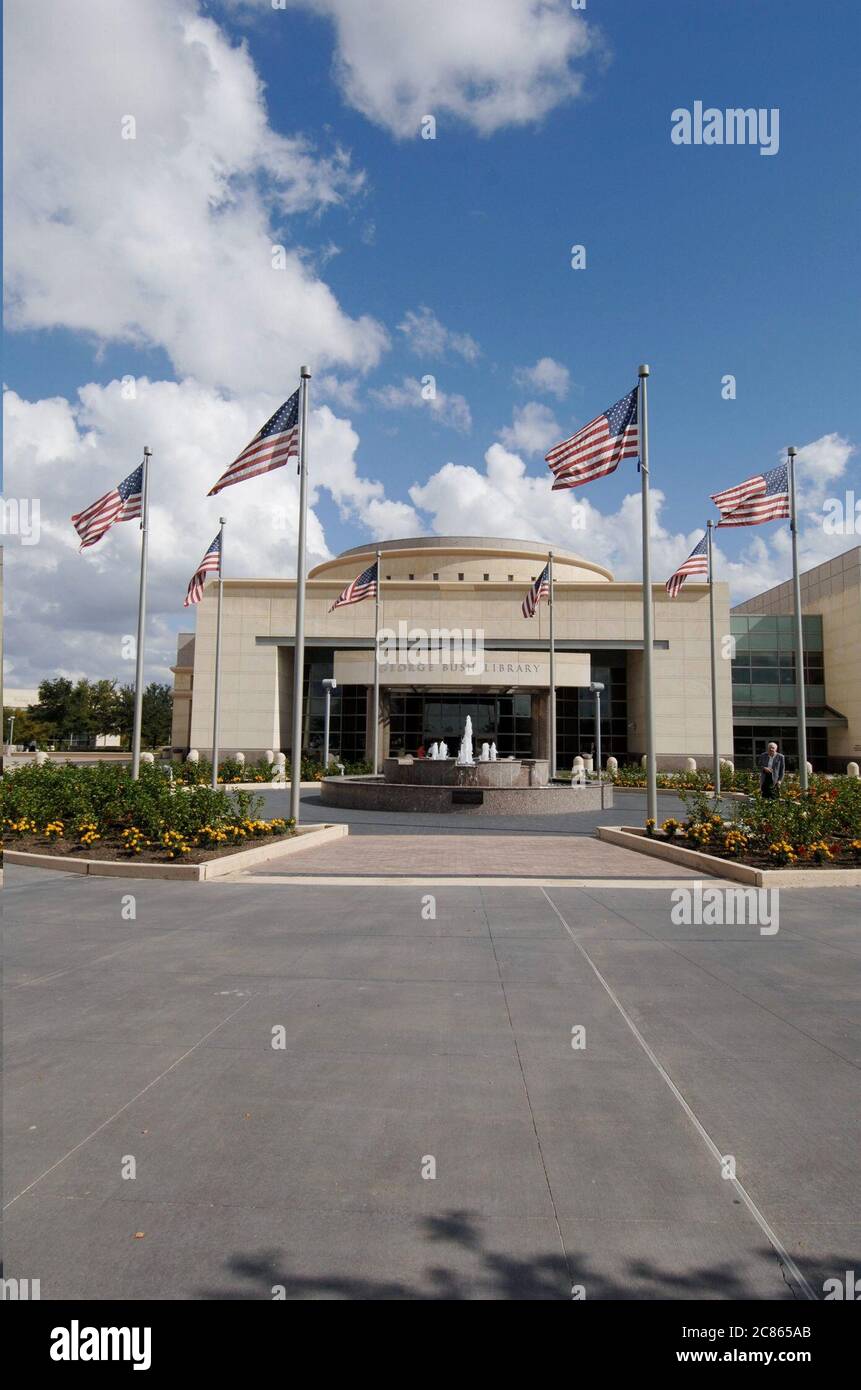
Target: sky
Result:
[145, 305]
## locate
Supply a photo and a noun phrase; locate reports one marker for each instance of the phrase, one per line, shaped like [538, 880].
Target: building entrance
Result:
[419, 720]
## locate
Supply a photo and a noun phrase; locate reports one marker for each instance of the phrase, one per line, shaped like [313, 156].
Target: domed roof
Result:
[448, 558]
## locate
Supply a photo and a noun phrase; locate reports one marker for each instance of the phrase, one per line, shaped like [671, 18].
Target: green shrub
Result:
[106, 796]
[829, 811]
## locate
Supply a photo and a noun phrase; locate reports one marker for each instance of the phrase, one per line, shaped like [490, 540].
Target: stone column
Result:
[540, 740]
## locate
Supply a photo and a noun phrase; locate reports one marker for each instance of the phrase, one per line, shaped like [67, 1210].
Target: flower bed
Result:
[819, 828]
[231, 771]
[98, 811]
[732, 779]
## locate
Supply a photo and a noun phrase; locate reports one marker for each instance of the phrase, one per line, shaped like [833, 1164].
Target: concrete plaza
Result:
[409, 1037]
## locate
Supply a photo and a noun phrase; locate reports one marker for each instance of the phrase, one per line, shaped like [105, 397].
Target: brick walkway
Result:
[471, 856]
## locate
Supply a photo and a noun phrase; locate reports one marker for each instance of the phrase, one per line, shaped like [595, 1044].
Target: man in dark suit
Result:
[772, 769]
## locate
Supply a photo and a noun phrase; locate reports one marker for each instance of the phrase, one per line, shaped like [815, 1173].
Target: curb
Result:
[630, 837]
[305, 838]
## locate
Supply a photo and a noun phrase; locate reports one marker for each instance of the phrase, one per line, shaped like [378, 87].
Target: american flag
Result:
[597, 449]
[540, 589]
[270, 448]
[122, 503]
[211, 563]
[763, 498]
[696, 563]
[365, 586]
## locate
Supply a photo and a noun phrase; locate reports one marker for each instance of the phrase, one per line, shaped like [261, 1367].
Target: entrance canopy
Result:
[495, 669]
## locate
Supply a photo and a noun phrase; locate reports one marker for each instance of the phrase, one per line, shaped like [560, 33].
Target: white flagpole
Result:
[648, 686]
[216, 712]
[801, 698]
[377, 667]
[715, 741]
[139, 653]
[299, 625]
[551, 714]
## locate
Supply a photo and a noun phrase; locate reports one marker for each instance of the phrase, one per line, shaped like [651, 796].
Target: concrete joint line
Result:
[123, 1108]
[547, 1182]
[789, 1268]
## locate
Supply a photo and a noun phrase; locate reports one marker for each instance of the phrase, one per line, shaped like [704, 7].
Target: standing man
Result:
[772, 767]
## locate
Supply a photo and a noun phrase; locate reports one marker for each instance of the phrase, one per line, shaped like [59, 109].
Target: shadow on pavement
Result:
[494, 1275]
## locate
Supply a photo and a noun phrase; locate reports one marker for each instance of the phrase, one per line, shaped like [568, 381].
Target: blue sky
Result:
[701, 260]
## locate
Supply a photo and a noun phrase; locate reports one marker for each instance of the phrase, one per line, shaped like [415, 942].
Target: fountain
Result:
[464, 757]
[492, 786]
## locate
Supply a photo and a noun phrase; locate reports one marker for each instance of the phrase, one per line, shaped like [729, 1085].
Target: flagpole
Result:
[648, 688]
[801, 698]
[299, 625]
[216, 712]
[377, 667]
[551, 716]
[139, 653]
[715, 741]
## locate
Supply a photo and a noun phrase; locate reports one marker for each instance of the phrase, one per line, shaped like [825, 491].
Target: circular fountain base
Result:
[506, 787]
[448, 772]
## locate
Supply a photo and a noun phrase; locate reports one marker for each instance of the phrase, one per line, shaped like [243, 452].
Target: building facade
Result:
[764, 667]
[432, 589]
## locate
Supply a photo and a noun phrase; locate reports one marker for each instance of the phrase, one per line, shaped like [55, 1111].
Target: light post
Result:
[596, 687]
[11, 731]
[329, 684]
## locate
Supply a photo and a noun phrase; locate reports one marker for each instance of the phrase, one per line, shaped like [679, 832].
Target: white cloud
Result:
[448, 409]
[339, 391]
[505, 500]
[490, 63]
[821, 471]
[67, 610]
[427, 337]
[165, 239]
[547, 376]
[533, 429]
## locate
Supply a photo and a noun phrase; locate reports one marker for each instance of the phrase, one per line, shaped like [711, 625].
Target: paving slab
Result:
[487, 856]
[403, 1039]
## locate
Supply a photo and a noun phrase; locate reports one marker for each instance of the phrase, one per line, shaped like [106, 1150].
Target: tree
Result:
[54, 707]
[156, 714]
[104, 712]
[26, 729]
[88, 707]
